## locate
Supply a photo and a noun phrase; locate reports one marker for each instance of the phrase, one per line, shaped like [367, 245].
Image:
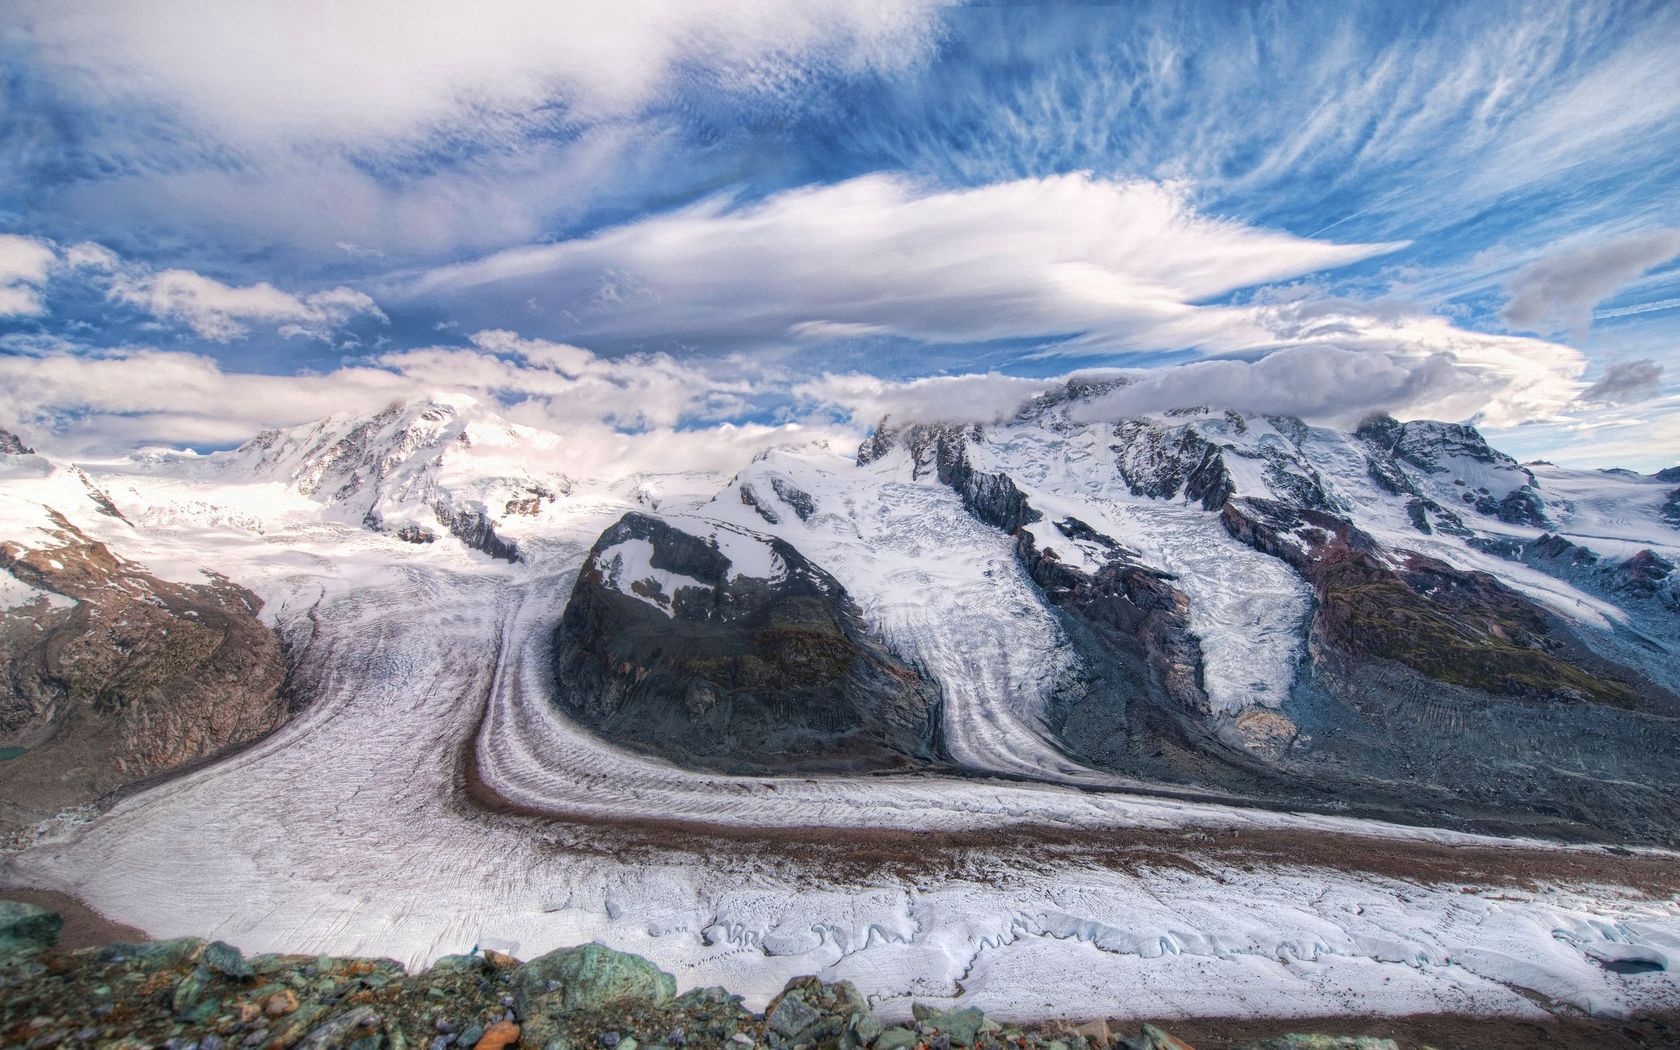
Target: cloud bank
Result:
[314, 71]
[1119, 264]
[1560, 290]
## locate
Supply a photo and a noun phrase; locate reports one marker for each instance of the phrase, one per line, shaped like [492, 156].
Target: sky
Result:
[685, 229]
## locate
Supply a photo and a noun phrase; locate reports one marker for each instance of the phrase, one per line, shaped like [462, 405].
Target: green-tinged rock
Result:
[458, 964]
[290, 1028]
[26, 928]
[1156, 1039]
[1309, 1041]
[161, 954]
[790, 1016]
[896, 1039]
[961, 1025]
[223, 958]
[714, 995]
[627, 1043]
[864, 1029]
[203, 1011]
[471, 1035]
[588, 977]
[190, 990]
[344, 1030]
[840, 997]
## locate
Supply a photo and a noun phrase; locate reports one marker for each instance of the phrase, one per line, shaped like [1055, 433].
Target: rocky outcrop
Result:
[115, 675]
[12, 445]
[1131, 606]
[668, 647]
[475, 529]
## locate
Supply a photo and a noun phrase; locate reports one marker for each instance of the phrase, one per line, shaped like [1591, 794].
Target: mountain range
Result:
[1397, 621]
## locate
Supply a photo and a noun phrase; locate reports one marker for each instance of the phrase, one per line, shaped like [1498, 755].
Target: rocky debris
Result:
[1671, 507]
[1298, 1041]
[128, 676]
[733, 672]
[186, 993]
[1644, 576]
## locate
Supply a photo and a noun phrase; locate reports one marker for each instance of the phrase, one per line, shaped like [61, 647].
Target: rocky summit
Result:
[732, 651]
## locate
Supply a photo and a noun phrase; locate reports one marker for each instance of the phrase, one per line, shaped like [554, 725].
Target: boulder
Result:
[26, 928]
[588, 977]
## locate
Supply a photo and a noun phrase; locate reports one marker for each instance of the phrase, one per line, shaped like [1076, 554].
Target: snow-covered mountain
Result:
[1399, 618]
[416, 468]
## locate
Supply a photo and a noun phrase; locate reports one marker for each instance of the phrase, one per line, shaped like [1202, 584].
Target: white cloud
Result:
[1087, 266]
[1561, 289]
[643, 413]
[314, 70]
[978, 398]
[568, 382]
[1500, 380]
[221, 312]
[1122, 263]
[1625, 382]
[90, 256]
[1320, 383]
[24, 265]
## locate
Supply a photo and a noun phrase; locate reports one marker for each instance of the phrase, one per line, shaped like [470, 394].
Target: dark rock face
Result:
[12, 445]
[1131, 606]
[795, 497]
[137, 677]
[1671, 508]
[739, 675]
[475, 529]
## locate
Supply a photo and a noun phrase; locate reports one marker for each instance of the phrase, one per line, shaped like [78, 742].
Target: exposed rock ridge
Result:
[12, 445]
[1458, 627]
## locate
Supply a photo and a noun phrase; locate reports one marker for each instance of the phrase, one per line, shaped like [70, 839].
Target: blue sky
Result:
[742, 219]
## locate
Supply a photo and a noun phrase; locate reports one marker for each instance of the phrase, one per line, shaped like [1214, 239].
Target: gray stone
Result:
[864, 1029]
[223, 958]
[896, 1039]
[459, 964]
[344, 1030]
[791, 1016]
[589, 976]
[961, 1025]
